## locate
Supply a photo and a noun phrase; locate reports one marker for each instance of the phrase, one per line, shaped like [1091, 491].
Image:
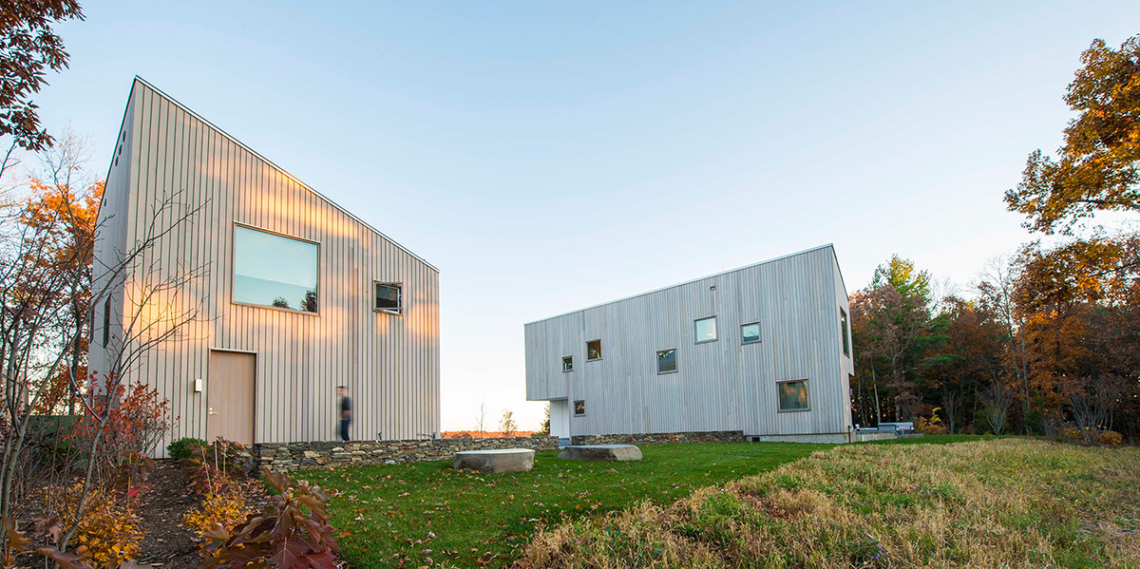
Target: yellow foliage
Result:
[1112, 438]
[108, 533]
[226, 508]
[931, 425]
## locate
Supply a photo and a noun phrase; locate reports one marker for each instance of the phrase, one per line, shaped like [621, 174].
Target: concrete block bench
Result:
[601, 453]
[498, 460]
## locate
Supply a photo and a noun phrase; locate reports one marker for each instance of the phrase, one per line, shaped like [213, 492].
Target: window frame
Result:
[399, 311]
[565, 360]
[716, 332]
[845, 331]
[807, 395]
[759, 337]
[583, 413]
[597, 359]
[675, 365]
[233, 269]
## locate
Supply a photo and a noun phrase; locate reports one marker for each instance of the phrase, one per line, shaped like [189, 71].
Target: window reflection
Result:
[272, 270]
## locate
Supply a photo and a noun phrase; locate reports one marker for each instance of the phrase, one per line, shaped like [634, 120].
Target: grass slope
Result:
[1012, 502]
[388, 514]
[391, 512]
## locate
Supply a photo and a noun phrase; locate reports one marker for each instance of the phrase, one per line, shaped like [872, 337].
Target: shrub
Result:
[184, 447]
[293, 531]
[931, 425]
[213, 467]
[1111, 438]
[136, 420]
[1070, 434]
[224, 509]
[108, 533]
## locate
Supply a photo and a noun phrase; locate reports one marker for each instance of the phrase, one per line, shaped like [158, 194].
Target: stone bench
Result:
[498, 460]
[601, 453]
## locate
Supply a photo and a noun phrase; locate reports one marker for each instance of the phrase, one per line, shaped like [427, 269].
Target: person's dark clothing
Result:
[345, 417]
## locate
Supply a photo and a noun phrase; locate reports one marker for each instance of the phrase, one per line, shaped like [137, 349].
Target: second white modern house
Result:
[764, 350]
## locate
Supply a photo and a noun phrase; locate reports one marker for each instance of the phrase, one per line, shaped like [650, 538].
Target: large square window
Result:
[579, 408]
[843, 332]
[667, 361]
[389, 298]
[793, 395]
[750, 333]
[568, 363]
[274, 270]
[706, 329]
[593, 350]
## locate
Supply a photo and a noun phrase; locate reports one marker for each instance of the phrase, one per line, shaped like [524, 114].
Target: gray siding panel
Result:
[390, 363]
[721, 385]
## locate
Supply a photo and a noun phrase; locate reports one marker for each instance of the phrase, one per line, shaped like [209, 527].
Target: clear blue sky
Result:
[553, 155]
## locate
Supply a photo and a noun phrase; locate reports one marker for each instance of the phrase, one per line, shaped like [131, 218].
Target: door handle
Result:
[211, 411]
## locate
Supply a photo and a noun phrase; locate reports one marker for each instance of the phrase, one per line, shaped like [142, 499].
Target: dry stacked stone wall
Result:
[293, 456]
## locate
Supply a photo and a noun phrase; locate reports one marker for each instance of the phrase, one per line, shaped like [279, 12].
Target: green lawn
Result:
[389, 514]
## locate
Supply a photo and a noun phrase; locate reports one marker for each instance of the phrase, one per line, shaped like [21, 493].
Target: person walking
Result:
[345, 411]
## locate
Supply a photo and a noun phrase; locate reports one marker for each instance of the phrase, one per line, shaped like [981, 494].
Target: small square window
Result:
[793, 395]
[667, 361]
[389, 298]
[750, 333]
[593, 350]
[579, 408]
[568, 363]
[706, 330]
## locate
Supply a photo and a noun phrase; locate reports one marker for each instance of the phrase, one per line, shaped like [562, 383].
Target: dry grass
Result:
[1001, 503]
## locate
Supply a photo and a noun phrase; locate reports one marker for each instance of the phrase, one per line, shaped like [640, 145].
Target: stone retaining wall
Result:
[292, 456]
[653, 438]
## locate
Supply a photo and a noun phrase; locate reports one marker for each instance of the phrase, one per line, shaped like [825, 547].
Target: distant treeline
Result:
[1048, 340]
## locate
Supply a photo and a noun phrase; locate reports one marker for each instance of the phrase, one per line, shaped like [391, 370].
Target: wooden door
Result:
[230, 396]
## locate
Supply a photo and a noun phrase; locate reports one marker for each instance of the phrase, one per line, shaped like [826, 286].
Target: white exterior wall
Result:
[721, 385]
[390, 363]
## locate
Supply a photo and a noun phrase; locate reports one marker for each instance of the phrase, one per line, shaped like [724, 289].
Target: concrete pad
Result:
[601, 453]
[497, 460]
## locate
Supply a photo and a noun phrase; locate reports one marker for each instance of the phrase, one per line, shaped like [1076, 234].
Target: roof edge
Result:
[691, 281]
[273, 165]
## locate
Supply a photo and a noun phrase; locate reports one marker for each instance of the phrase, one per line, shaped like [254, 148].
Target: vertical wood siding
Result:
[721, 385]
[390, 363]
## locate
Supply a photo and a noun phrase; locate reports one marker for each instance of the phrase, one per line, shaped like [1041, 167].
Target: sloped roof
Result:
[335, 205]
[691, 281]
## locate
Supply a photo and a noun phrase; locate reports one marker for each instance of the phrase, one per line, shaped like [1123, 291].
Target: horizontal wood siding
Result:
[389, 363]
[719, 386]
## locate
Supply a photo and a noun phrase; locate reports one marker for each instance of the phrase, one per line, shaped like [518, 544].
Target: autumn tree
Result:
[1096, 168]
[29, 48]
[507, 424]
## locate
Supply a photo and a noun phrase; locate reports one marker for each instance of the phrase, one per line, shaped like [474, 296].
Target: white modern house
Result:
[281, 295]
[765, 350]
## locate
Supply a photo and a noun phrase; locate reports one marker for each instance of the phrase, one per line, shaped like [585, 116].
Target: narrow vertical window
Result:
[593, 350]
[567, 364]
[579, 408]
[750, 333]
[667, 361]
[106, 321]
[705, 329]
[843, 331]
[389, 298]
[793, 395]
